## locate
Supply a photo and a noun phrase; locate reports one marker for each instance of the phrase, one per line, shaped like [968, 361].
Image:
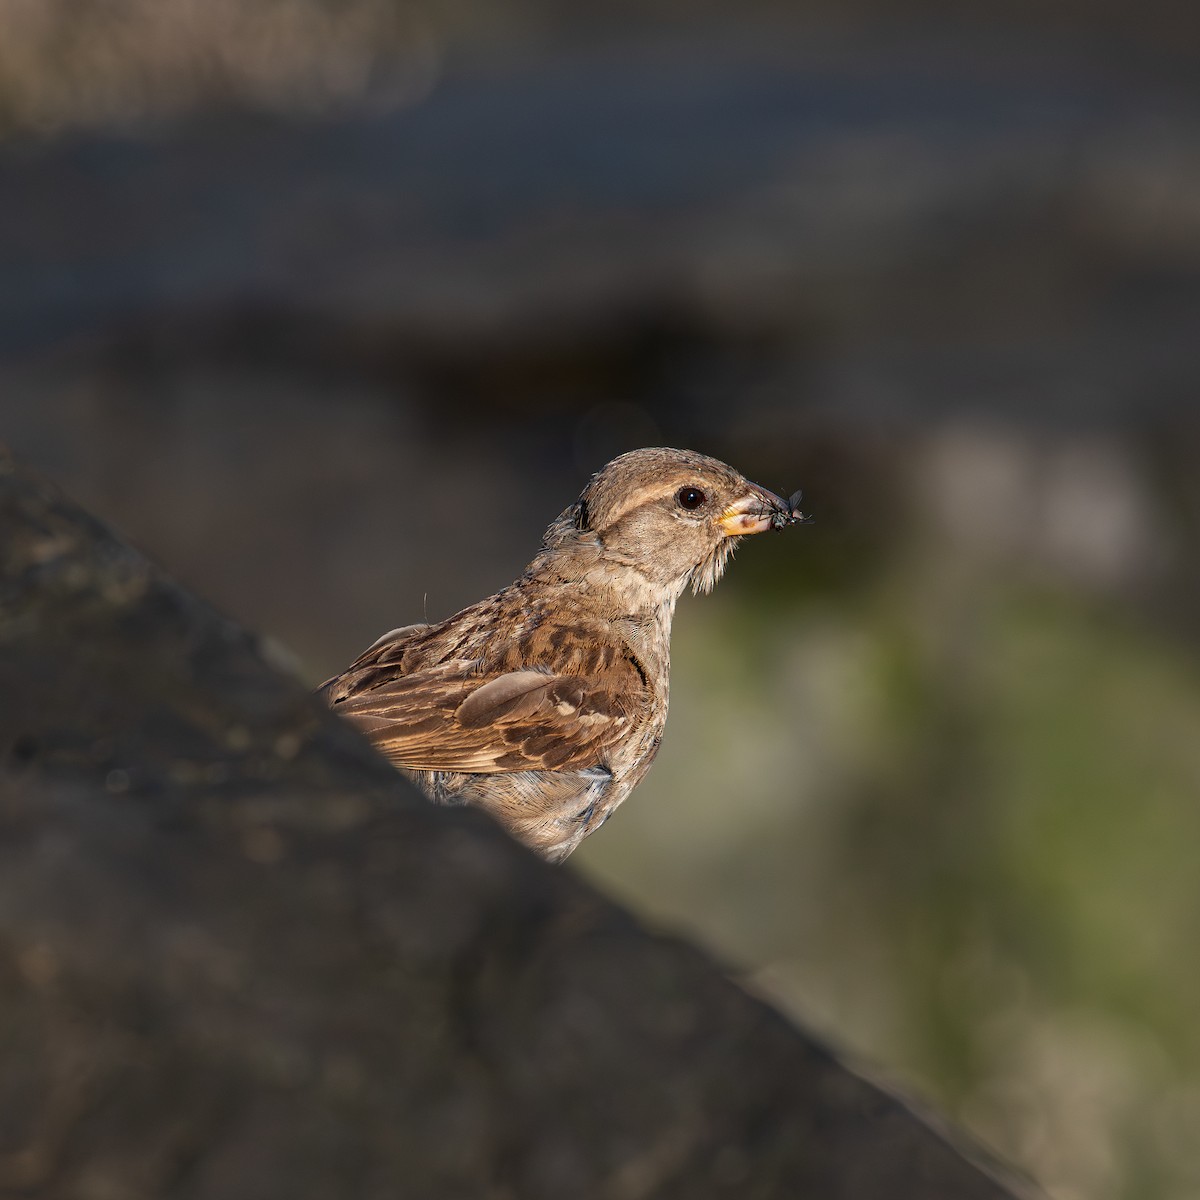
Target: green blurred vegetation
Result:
[954, 825]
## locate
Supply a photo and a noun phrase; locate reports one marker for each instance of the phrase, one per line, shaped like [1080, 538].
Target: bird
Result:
[545, 703]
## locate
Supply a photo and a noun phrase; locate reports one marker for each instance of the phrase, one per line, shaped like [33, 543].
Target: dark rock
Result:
[240, 957]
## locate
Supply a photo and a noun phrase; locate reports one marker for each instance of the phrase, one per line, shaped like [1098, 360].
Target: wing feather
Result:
[450, 718]
[427, 706]
[515, 694]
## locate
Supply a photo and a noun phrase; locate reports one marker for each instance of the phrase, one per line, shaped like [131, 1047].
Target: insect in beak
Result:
[792, 514]
[759, 510]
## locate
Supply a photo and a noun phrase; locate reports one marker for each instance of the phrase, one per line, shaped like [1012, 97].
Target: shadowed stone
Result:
[240, 957]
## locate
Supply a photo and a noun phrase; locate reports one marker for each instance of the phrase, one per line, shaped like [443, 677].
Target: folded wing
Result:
[449, 717]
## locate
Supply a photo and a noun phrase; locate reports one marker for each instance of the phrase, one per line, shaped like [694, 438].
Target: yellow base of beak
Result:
[738, 524]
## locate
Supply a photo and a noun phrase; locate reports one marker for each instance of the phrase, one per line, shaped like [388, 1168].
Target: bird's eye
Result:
[690, 498]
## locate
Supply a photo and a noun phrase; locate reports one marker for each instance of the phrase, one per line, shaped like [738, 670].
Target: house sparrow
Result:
[545, 703]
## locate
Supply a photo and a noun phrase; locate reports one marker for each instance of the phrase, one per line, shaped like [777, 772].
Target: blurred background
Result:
[331, 305]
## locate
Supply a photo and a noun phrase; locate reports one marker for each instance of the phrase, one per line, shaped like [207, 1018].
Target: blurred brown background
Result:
[331, 306]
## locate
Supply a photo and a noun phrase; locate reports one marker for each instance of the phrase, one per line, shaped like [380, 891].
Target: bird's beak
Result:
[756, 512]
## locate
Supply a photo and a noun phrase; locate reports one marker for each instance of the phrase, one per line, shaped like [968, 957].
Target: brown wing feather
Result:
[431, 720]
[381, 659]
[454, 697]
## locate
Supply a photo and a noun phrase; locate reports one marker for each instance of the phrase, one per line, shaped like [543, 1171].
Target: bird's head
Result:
[673, 516]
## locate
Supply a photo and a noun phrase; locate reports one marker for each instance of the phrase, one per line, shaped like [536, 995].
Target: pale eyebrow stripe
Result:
[651, 491]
